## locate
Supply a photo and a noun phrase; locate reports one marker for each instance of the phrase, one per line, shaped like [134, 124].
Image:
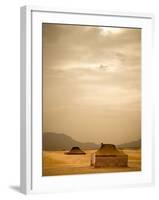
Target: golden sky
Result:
[91, 82]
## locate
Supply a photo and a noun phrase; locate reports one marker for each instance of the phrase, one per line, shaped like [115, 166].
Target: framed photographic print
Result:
[86, 100]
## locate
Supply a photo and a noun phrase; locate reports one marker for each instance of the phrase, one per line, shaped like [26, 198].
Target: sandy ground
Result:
[57, 163]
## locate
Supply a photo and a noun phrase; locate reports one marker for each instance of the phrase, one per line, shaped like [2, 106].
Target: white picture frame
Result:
[31, 100]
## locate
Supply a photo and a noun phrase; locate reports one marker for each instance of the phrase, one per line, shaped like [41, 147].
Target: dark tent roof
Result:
[108, 150]
[75, 151]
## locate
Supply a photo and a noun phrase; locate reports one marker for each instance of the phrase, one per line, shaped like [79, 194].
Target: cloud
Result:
[67, 45]
[92, 79]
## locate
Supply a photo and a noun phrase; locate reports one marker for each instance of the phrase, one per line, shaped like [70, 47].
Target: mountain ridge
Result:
[133, 144]
[58, 141]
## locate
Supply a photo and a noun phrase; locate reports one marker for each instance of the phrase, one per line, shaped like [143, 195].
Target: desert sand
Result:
[57, 163]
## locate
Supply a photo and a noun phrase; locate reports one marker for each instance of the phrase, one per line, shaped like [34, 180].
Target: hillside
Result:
[134, 144]
[57, 141]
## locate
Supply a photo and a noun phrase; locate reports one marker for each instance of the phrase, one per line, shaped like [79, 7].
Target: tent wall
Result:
[118, 161]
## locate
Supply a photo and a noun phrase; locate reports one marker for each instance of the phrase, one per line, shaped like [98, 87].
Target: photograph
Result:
[91, 99]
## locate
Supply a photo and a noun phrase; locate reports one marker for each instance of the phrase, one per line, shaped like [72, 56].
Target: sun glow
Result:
[107, 30]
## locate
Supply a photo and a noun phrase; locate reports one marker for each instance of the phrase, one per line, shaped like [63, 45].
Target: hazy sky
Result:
[91, 82]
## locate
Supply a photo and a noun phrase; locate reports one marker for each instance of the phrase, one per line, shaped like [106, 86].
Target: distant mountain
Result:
[134, 144]
[57, 141]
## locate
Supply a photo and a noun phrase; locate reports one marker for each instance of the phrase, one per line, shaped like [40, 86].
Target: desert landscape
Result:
[91, 112]
[58, 163]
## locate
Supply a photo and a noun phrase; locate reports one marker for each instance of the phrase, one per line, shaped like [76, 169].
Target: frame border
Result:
[26, 82]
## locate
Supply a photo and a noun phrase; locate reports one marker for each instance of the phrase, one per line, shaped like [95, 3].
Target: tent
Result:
[75, 151]
[109, 156]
